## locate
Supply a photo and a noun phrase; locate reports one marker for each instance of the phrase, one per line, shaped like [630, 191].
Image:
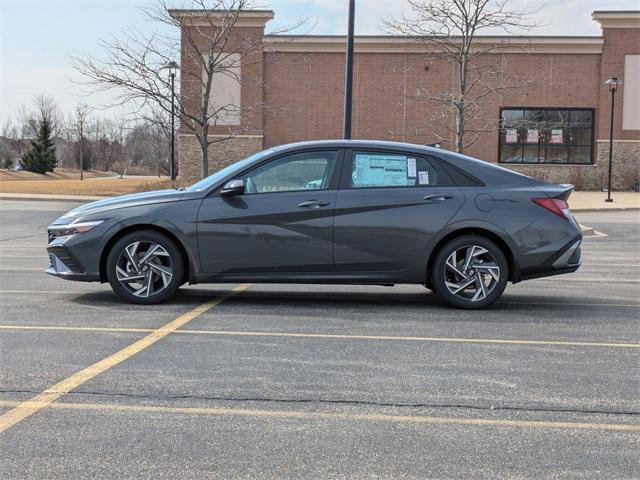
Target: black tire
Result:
[167, 285]
[439, 273]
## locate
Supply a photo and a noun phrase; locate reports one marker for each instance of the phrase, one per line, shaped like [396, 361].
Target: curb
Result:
[51, 198]
[587, 231]
[614, 209]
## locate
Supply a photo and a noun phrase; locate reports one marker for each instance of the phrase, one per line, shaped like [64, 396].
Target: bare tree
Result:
[135, 64]
[117, 134]
[81, 117]
[452, 29]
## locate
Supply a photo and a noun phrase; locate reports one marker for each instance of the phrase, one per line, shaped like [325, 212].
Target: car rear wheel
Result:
[470, 272]
[145, 267]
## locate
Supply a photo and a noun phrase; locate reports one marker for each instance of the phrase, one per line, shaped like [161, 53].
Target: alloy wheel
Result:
[471, 273]
[144, 268]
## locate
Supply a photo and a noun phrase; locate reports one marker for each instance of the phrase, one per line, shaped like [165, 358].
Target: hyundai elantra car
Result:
[331, 212]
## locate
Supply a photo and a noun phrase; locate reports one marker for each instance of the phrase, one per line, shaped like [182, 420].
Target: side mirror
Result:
[233, 187]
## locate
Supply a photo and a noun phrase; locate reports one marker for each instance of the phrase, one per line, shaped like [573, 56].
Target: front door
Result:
[283, 223]
[389, 207]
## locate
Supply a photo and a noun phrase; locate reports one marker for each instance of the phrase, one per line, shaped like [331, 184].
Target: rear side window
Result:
[380, 169]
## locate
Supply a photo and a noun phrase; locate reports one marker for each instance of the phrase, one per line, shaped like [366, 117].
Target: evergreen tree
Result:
[41, 156]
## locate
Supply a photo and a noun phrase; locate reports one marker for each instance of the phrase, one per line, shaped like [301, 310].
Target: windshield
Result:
[228, 170]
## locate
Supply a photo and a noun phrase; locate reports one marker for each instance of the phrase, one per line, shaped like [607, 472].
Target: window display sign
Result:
[532, 136]
[556, 136]
[511, 135]
[381, 170]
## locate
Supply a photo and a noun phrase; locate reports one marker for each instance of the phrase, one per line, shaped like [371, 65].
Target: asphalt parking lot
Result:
[285, 381]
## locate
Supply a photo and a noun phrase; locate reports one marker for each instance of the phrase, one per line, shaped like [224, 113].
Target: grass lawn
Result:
[59, 174]
[49, 184]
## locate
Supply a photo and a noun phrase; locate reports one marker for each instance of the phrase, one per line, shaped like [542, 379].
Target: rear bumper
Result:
[567, 260]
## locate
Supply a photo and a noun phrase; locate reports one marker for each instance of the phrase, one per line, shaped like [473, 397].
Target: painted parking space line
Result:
[578, 279]
[330, 336]
[333, 416]
[42, 292]
[21, 269]
[53, 393]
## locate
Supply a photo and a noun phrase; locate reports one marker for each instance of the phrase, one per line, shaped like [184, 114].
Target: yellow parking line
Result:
[77, 329]
[413, 339]
[332, 416]
[570, 280]
[50, 395]
[53, 292]
[42, 269]
[334, 336]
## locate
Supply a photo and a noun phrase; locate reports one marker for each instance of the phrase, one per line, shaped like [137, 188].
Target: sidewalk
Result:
[595, 201]
[579, 201]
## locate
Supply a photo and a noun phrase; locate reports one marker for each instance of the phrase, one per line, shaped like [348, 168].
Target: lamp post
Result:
[348, 74]
[614, 83]
[173, 68]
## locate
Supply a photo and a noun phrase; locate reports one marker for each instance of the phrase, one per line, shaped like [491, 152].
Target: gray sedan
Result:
[341, 212]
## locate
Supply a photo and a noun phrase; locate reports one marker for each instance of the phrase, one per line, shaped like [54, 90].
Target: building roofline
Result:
[246, 18]
[617, 18]
[416, 37]
[405, 44]
[193, 11]
[616, 12]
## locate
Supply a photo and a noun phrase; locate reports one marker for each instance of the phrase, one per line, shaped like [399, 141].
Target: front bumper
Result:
[77, 257]
[63, 265]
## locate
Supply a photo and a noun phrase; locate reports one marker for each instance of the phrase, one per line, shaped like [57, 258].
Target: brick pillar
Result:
[621, 33]
[236, 135]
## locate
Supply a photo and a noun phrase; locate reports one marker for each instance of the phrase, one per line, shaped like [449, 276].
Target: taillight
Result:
[554, 205]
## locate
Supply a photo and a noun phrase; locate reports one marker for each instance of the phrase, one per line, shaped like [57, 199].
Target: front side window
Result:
[295, 172]
[560, 136]
[378, 169]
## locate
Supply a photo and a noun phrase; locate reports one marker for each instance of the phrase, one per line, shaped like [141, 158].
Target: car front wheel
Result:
[470, 272]
[145, 267]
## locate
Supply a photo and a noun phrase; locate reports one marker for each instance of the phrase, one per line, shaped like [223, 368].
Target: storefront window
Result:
[533, 135]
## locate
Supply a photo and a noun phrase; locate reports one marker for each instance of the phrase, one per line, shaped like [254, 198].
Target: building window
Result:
[551, 136]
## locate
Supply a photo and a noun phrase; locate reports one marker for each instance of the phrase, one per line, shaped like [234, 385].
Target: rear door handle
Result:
[436, 197]
[313, 204]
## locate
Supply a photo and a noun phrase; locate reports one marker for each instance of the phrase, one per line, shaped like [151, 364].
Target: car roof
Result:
[339, 143]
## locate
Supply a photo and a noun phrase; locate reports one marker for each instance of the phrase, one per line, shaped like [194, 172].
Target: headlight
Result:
[71, 229]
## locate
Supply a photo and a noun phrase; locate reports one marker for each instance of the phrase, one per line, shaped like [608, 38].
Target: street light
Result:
[173, 67]
[614, 83]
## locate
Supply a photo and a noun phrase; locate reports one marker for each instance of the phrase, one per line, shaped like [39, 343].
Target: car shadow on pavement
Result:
[330, 300]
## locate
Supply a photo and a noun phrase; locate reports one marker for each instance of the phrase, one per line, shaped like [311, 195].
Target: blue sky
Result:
[37, 37]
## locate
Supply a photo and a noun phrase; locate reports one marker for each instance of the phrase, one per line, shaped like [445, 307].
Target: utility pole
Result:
[348, 74]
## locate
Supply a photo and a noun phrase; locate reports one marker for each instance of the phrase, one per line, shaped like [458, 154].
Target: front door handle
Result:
[436, 197]
[314, 204]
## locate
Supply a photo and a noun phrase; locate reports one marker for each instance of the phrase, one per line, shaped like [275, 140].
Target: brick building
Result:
[551, 122]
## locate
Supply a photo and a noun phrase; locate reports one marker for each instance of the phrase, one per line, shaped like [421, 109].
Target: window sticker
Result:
[532, 136]
[381, 170]
[423, 178]
[411, 167]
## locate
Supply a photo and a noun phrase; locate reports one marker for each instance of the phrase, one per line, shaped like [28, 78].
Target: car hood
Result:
[144, 198]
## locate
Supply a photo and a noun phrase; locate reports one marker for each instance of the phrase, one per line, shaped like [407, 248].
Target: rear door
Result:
[389, 207]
